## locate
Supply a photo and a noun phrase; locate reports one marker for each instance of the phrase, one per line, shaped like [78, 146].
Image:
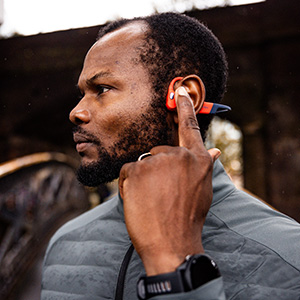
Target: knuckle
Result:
[184, 152]
[159, 149]
[123, 169]
[191, 123]
[207, 161]
[129, 168]
[185, 155]
[163, 158]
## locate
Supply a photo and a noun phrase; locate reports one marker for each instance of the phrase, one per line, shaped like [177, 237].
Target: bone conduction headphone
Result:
[207, 108]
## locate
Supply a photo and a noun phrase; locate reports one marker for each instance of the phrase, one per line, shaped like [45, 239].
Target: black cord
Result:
[122, 274]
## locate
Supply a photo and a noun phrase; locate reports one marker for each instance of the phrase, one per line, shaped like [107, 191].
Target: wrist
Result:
[195, 271]
[160, 264]
[165, 261]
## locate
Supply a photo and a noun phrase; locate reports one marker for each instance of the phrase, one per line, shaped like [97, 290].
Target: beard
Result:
[147, 131]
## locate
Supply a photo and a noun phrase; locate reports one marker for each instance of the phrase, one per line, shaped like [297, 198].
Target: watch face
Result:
[203, 269]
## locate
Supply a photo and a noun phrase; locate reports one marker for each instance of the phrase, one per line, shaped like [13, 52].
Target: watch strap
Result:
[167, 283]
[195, 271]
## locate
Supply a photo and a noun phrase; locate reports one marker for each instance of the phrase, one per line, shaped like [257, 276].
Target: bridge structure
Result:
[38, 192]
[38, 75]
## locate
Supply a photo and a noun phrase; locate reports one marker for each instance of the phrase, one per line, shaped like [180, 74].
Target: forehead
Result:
[116, 52]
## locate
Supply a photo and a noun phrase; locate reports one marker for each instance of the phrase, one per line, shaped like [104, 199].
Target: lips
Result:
[80, 138]
[82, 142]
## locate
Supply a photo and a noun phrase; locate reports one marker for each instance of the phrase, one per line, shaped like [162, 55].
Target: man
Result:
[176, 205]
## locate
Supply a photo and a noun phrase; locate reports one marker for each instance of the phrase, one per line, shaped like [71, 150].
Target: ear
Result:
[196, 89]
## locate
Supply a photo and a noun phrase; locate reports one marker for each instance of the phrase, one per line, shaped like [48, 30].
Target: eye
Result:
[80, 96]
[102, 89]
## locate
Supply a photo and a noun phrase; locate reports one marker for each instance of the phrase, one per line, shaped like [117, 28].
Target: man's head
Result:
[124, 84]
[177, 45]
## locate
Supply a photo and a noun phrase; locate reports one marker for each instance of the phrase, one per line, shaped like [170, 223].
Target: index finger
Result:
[188, 127]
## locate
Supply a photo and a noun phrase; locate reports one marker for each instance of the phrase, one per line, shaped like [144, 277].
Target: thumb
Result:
[214, 153]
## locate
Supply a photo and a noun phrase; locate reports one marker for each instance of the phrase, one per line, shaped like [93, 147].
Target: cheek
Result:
[120, 112]
[111, 124]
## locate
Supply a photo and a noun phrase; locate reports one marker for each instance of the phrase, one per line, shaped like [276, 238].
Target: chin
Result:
[86, 160]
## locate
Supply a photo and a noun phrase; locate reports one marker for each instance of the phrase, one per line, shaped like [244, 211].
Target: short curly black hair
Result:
[178, 45]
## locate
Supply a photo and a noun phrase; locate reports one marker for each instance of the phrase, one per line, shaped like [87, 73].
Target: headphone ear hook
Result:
[207, 108]
[170, 103]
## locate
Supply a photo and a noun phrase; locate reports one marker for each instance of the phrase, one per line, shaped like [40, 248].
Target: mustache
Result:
[89, 136]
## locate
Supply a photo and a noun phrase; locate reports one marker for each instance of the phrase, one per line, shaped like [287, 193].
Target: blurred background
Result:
[42, 47]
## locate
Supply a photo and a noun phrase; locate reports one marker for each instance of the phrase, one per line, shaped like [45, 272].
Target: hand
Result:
[167, 196]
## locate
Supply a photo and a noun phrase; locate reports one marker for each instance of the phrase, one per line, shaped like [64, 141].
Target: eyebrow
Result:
[91, 80]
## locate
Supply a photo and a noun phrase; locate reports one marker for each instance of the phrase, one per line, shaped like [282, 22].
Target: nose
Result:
[80, 114]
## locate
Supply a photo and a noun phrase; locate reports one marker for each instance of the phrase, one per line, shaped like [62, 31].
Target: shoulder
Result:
[85, 218]
[250, 218]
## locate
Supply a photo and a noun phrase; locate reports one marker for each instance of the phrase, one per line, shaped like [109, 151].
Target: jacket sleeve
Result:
[212, 290]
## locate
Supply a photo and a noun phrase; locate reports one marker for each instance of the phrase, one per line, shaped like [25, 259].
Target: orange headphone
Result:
[207, 108]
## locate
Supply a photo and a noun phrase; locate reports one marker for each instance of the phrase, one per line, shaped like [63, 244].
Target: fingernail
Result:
[218, 155]
[182, 91]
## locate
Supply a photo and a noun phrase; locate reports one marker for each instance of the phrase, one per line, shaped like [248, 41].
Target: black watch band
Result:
[195, 271]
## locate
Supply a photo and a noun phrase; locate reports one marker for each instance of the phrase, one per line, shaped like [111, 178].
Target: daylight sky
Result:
[29, 17]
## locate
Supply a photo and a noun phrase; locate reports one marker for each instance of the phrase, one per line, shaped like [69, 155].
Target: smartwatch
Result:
[195, 271]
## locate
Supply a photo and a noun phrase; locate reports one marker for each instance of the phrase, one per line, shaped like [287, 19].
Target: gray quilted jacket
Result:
[256, 248]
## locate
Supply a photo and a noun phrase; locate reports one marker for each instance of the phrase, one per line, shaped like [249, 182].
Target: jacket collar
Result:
[222, 184]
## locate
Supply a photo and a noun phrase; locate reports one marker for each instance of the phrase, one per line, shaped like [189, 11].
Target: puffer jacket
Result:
[256, 248]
